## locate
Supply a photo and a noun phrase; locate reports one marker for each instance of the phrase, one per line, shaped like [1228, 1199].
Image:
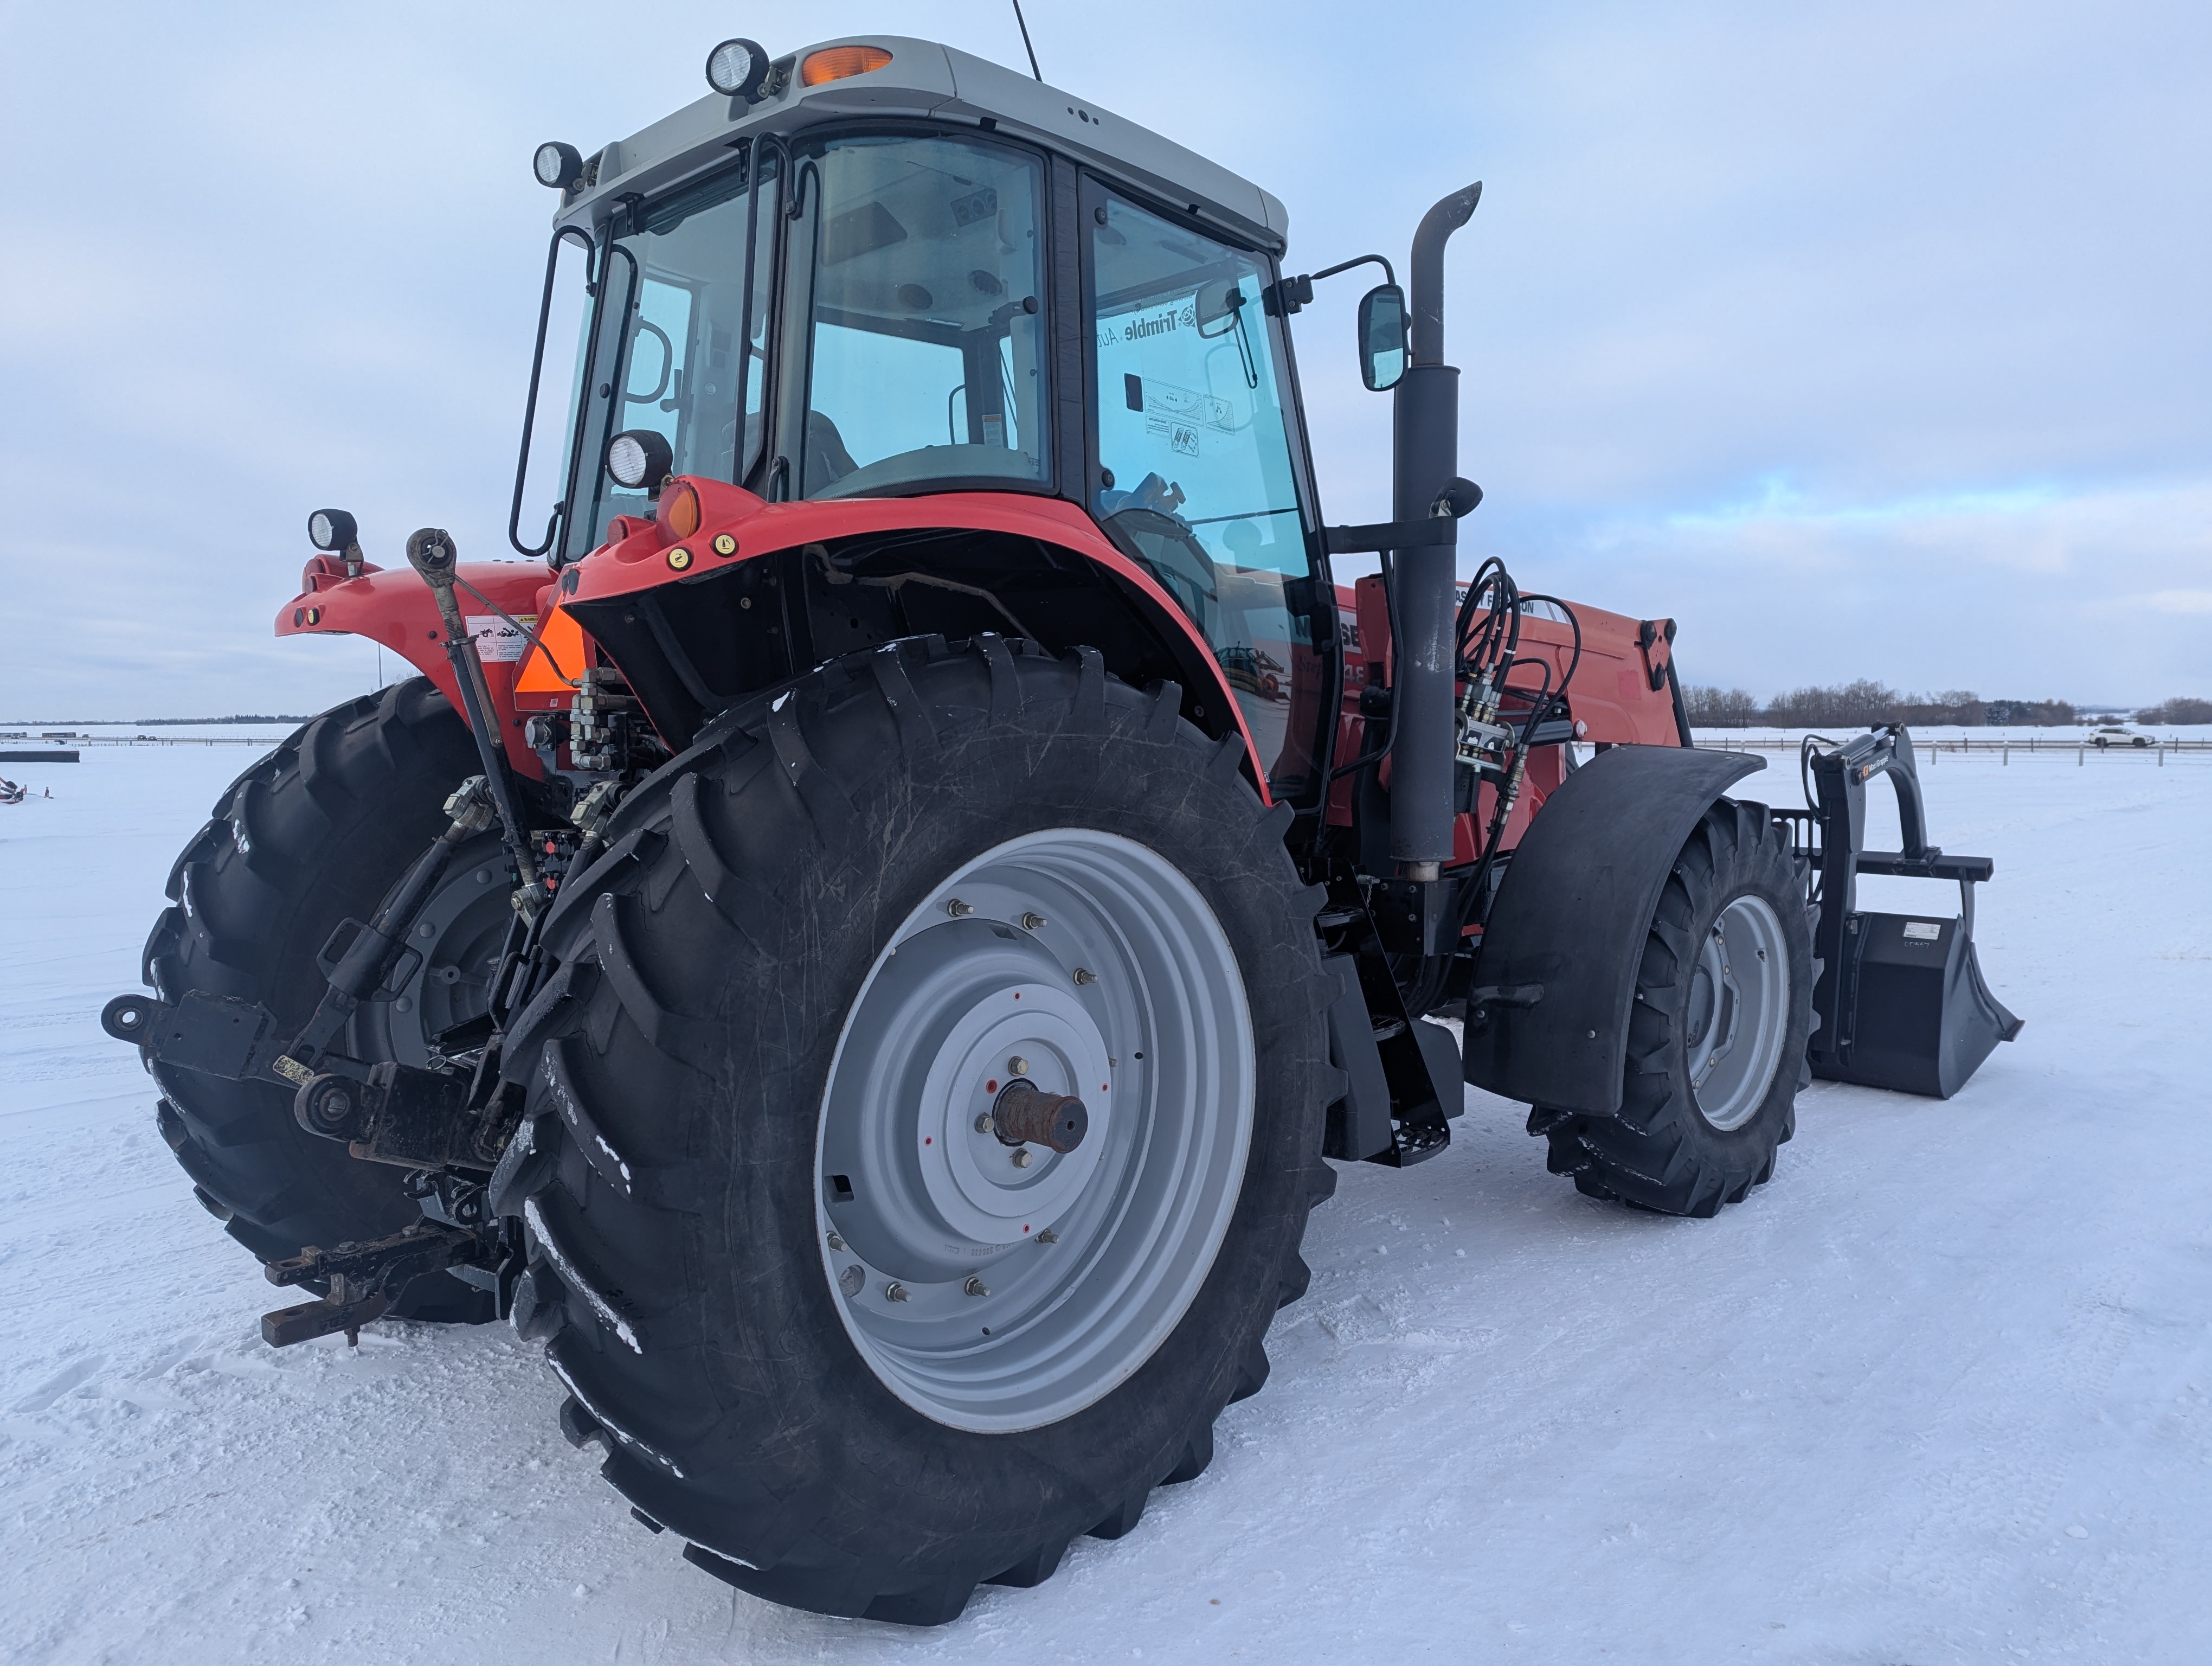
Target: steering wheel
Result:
[1171, 553]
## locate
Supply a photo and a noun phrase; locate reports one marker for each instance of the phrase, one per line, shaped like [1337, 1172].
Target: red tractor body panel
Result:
[1619, 695]
[397, 609]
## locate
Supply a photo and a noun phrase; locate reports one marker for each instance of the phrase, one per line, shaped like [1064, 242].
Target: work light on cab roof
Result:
[737, 68]
[557, 165]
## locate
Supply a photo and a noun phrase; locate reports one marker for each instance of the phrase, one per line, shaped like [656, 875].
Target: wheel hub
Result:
[1035, 1129]
[935, 1188]
[1737, 1013]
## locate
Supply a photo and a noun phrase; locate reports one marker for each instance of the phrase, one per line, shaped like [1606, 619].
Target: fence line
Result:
[2033, 745]
[58, 741]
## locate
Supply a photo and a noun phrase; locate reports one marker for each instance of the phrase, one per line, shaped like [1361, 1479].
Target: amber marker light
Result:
[679, 510]
[837, 62]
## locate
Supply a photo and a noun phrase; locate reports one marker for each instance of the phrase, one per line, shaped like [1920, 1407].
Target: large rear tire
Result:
[318, 831]
[854, 1368]
[1717, 1034]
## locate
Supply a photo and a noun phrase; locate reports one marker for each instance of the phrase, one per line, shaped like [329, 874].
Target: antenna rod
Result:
[1023, 23]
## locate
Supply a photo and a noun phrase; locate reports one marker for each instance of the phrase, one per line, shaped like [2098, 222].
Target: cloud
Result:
[1863, 339]
[2024, 591]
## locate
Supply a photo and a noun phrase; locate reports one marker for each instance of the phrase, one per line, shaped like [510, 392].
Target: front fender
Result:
[395, 608]
[1572, 914]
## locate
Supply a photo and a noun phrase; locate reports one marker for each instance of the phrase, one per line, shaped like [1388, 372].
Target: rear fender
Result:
[396, 610]
[1572, 914]
[1061, 581]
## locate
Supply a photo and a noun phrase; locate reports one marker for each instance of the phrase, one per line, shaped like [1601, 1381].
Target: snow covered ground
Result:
[1941, 1392]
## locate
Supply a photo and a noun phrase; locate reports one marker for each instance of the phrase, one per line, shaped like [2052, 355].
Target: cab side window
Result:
[1196, 482]
[923, 343]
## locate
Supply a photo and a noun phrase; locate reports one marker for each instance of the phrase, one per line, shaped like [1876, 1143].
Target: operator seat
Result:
[826, 458]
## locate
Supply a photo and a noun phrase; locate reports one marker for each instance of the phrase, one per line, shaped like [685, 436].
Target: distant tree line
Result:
[1856, 705]
[2179, 709]
[162, 722]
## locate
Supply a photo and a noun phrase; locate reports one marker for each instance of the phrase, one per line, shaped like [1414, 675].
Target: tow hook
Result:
[365, 1279]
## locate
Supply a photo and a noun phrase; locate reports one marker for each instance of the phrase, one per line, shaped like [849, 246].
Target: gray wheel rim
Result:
[993, 1297]
[1738, 1012]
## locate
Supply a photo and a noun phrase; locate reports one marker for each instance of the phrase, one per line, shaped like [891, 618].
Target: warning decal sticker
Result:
[498, 642]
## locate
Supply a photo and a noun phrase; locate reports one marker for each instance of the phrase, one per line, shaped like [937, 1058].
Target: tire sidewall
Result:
[1754, 874]
[1658, 1151]
[889, 1477]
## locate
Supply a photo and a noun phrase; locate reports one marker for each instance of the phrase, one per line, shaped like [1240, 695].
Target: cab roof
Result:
[927, 80]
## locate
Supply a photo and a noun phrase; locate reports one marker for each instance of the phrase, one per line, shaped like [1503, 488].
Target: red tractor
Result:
[865, 941]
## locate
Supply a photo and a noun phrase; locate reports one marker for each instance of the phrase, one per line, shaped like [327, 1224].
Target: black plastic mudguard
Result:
[1572, 914]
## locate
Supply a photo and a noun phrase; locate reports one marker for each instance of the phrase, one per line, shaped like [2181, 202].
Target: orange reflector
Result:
[562, 654]
[835, 62]
[679, 511]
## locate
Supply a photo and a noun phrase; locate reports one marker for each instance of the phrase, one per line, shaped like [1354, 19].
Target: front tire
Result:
[751, 1253]
[1717, 1033]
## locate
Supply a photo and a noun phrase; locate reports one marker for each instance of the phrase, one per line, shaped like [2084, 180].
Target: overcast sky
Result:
[1865, 339]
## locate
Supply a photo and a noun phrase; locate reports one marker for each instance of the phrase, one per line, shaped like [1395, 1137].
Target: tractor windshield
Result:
[1196, 478]
[678, 342]
[925, 320]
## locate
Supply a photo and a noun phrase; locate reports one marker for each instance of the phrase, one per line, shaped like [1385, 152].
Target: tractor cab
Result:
[896, 270]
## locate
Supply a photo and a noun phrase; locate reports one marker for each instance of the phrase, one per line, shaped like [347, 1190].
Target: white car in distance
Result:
[2112, 735]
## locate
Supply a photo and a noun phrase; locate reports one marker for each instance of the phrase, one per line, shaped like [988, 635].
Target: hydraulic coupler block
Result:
[599, 716]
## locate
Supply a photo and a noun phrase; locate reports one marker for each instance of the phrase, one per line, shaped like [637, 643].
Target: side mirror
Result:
[1381, 337]
[1215, 302]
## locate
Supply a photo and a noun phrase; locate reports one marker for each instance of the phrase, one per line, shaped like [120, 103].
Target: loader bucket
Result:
[1900, 1002]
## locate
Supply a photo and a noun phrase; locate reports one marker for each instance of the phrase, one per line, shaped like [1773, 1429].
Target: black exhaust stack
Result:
[1425, 459]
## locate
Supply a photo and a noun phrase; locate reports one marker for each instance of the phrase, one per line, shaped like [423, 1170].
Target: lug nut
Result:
[836, 1243]
[1022, 1159]
[956, 908]
[851, 1280]
[975, 1287]
[1083, 976]
[894, 1292]
[1018, 1065]
[1034, 922]
[1047, 1236]
[983, 1122]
